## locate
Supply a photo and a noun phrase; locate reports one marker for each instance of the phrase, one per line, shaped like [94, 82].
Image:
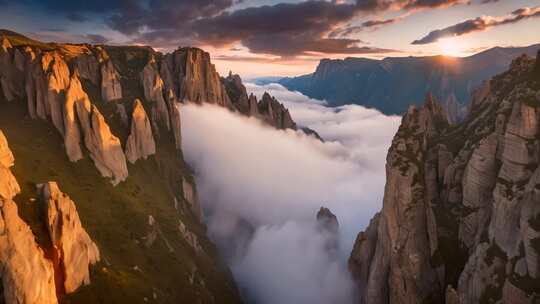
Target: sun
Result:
[450, 47]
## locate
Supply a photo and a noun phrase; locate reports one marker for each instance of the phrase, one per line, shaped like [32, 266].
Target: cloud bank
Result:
[285, 29]
[262, 187]
[479, 24]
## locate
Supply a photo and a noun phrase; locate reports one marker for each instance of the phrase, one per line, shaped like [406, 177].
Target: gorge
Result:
[131, 175]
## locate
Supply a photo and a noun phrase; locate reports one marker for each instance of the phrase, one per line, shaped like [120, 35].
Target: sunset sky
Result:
[279, 37]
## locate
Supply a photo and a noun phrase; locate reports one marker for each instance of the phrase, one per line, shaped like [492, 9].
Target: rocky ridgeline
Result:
[58, 85]
[268, 109]
[460, 221]
[28, 276]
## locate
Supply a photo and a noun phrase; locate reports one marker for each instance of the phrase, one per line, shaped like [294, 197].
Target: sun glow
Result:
[451, 47]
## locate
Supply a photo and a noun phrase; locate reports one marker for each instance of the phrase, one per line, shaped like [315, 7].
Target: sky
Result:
[283, 37]
[276, 180]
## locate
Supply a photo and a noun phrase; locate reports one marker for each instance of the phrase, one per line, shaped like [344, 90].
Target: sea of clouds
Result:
[261, 189]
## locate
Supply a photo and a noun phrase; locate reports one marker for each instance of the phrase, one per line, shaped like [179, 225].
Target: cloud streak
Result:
[262, 187]
[479, 24]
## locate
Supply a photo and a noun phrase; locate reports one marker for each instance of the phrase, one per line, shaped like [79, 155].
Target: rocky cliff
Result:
[102, 123]
[460, 221]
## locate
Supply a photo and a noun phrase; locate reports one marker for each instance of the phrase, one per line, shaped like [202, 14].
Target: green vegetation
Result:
[17, 39]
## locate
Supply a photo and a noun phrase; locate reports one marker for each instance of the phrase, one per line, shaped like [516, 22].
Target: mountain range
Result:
[391, 84]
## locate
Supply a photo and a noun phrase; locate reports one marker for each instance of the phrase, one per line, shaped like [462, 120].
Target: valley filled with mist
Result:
[262, 189]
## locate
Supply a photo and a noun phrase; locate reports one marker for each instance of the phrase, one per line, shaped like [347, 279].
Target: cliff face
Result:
[103, 123]
[460, 220]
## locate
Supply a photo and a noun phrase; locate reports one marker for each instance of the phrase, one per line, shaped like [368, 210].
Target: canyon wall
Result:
[460, 221]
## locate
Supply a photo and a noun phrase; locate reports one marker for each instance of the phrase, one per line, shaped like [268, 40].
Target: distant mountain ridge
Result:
[391, 84]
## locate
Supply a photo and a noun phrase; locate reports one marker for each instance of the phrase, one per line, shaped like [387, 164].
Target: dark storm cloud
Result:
[285, 29]
[166, 15]
[479, 24]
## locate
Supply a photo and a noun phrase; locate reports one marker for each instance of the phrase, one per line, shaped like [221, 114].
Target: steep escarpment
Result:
[460, 220]
[102, 124]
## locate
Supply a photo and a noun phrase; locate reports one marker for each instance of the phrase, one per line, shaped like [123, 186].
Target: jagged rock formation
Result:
[105, 148]
[140, 143]
[74, 248]
[153, 91]
[460, 221]
[275, 113]
[268, 109]
[10, 73]
[328, 225]
[8, 184]
[27, 276]
[81, 99]
[401, 226]
[190, 75]
[238, 94]
[55, 92]
[327, 220]
[111, 89]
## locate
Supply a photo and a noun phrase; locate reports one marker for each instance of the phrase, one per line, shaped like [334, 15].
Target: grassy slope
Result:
[17, 39]
[116, 219]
